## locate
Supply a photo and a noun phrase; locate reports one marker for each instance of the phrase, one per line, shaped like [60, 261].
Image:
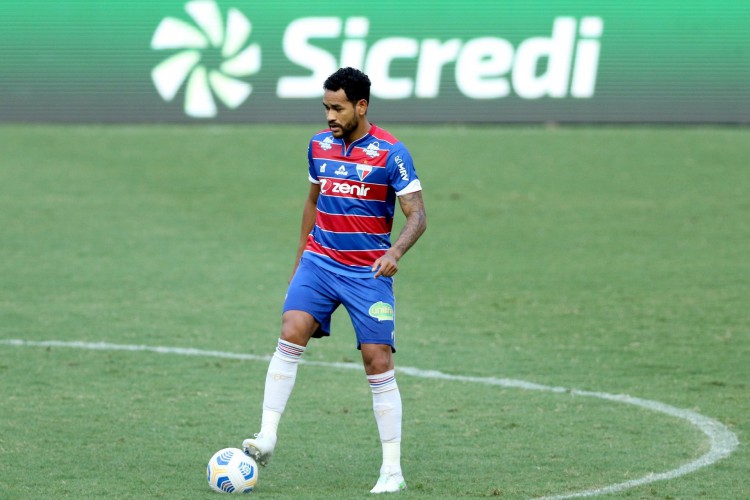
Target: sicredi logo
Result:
[483, 68]
[210, 33]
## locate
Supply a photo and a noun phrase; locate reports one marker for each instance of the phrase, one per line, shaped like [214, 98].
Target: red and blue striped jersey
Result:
[358, 189]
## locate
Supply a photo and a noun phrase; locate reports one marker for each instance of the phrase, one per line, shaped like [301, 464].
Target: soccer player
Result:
[356, 170]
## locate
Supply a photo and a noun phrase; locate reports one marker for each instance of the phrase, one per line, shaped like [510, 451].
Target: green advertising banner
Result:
[237, 61]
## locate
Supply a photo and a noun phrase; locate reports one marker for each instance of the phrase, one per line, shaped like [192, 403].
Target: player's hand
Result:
[387, 266]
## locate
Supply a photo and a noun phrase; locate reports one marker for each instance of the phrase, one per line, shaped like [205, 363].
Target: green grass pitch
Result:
[612, 259]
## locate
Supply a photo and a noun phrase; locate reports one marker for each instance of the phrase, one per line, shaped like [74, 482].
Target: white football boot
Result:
[260, 448]
[389, 482]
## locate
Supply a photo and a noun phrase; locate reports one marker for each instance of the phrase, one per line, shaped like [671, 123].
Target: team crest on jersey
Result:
[326, 143]
[363, 171]
[373, 149]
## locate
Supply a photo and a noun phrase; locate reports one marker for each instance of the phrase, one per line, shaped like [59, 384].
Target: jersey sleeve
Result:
[312, 175]
[401, 172]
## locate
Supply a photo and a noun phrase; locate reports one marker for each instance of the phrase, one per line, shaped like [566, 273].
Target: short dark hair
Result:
[356, 84]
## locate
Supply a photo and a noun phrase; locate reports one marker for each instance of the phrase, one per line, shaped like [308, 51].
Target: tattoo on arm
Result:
[416, 222]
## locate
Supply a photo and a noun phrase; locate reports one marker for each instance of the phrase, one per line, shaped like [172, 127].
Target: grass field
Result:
[605, 259]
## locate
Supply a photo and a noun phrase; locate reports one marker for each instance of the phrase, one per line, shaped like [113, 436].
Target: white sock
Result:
[280, 378]
[386, 404]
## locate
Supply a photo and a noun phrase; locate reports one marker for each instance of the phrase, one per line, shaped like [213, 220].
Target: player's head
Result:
[346, 98]
[354, 83]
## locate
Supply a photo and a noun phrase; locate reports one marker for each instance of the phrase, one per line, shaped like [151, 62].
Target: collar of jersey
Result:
[347, 151]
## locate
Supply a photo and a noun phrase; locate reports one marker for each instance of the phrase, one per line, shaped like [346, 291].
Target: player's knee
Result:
[377, 358]
[297, 327]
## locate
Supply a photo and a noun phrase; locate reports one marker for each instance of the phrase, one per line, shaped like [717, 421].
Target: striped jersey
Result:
[358, 189]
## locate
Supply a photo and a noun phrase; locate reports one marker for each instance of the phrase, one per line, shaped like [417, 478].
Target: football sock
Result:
[386, 404]
[282, 372]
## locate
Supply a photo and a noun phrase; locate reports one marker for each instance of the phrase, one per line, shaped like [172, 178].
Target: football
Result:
[231, 471]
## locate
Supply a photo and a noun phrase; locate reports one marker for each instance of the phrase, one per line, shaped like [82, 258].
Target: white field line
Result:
[722, 441]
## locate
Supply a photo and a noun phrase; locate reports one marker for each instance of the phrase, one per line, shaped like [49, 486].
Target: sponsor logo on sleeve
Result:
[401, 169]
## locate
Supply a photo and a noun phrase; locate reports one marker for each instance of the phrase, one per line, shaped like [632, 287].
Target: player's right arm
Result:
[309, 213]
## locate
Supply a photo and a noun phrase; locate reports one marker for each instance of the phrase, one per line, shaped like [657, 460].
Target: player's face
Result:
[342, 116]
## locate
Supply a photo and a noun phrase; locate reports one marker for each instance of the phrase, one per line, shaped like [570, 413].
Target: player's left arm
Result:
[416, 222]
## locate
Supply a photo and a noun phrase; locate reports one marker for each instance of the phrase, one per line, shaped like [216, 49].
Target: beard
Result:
[340, 130]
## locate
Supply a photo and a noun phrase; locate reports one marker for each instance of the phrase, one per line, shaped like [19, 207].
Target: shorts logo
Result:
[381, 311]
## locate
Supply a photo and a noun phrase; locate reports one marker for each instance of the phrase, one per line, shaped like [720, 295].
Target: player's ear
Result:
[361, 107]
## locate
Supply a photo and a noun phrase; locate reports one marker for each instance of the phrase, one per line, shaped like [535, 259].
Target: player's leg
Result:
[386, 405]
[371, 305]
[307, 311]
[297, 329]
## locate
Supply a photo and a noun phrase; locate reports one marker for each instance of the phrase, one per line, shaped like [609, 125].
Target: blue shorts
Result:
[369, 301]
